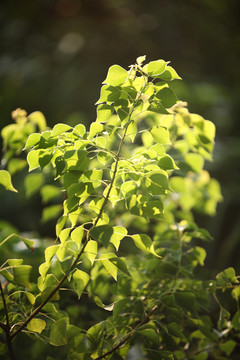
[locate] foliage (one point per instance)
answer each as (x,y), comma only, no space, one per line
(126,241)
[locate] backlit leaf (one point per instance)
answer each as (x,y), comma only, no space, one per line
(160,135)
(144,242)
(5,180)
(116,76)
(80,280)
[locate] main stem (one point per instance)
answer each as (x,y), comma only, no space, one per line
(38,309)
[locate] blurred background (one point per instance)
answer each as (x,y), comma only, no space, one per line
(54,54)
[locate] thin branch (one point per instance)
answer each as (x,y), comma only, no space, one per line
(6,327)
(129,335)
(53,292)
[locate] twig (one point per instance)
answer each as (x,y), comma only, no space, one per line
(6,327)
(129,335)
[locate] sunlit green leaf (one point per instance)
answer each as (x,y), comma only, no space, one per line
(155,68)
(104,112)
(80,280)
(169,74)
(195,161)
(91,250)
(116,76)
(38,118)
(5,180)
(160,135)
(60,129)
(32,140)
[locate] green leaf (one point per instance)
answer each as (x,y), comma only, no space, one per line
(195,161)
(38,118)
(22,275)
(144,242)
(32,183)
(91,250)
(169,74)
(60,129)
(5,180)
(58,333)
(155,68)
(80,129)
(116,76)
(167,163)
(94,335)
(201,356)
(80,280)
(49,192)
(36,325)
(157,182)
(60,224)
(32,140)
(33,159)
(50,252)
(109,266)
(157,107)
(236,293)
(120,264)
(186,300)
(109,93)
(226,277)
(77,234)
(167,97)
(15,165)
(51,212)
(95,128)
(104,112)
(150,334)
(108,234)
(132,130)
(141,59)
(228,346)
(160,135)
(236,320)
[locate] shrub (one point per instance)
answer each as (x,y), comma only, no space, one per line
(122,275)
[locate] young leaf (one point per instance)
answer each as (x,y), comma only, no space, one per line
(116,76)
(60,129)
(155,68)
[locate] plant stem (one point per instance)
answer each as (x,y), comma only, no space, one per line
(38,309)
(129,335)
(6,327)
